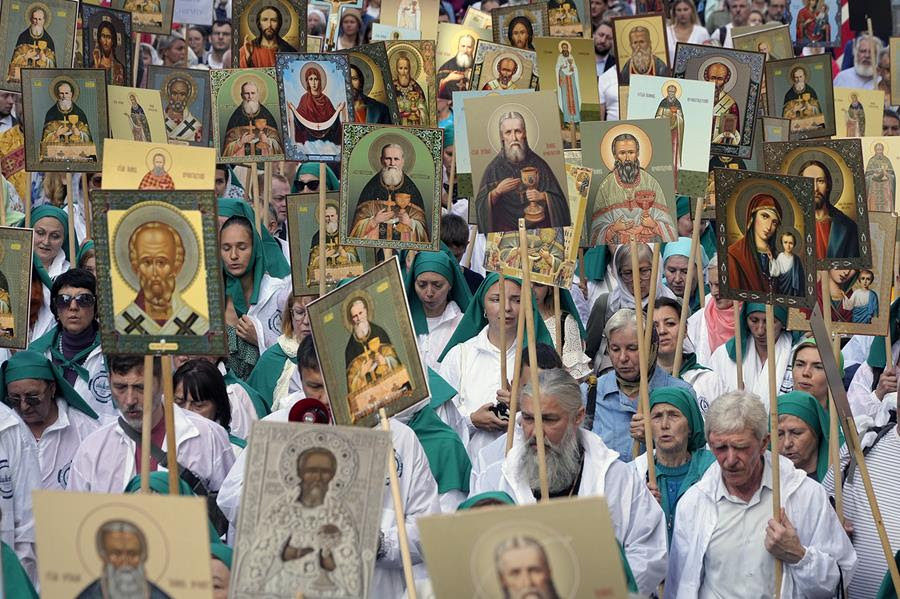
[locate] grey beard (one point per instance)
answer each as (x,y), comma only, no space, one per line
(124,582)
(563,462)
(864,70)
(391,176)
(37,31)
(331,228)
(65,105)
(641,60)
(176,105)
(515,152)
(361,330)
(463,60)
(627,170)
(799,88)
(159,172)
(250,106)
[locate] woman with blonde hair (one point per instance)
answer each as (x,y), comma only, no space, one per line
(684,26)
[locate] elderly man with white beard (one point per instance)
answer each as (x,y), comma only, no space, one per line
(642,61)
(380,213)
(862,74)
(242,135)
(725,540)
(454,74)
(122,547)
(579,464)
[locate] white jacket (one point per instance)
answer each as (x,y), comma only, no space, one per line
(20,474)
(696,332)
(266,312)
(60,441)
(417,489)
(829,553)
(45,320)
(105,461)
(638,521)
(755,372)
(95,391)
(432,343)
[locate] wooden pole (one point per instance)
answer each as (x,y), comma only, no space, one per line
(322,286)
(267,191)
(557,321)
(688,288)
(504,382)
(146,424)
(136,58)
(70,196)
(451,179)
(171,449)
(701,290)
(738,346)
(86,203)
(833,424)
(517,376)
(526,305)
(467,259)
(651,297)
(405,557)
(644,395)
(5,199)
(27,200)
(773,425)
(254,193)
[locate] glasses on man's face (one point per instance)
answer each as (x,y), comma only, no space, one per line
(16,400)
(310,185)
(82,300)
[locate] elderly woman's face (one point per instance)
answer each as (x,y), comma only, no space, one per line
(671,430)
(645,270)
(623,352)
(798,442)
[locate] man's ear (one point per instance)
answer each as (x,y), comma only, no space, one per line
(579,417)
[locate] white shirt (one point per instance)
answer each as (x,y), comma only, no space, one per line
(243,412)
(863,402)
(440,329)
(60,441)
(755,371)
(608,86)
(698,35)
(6,123)
(20,474)
(707,384)
(105,461)
(95,391)
(849,78)
(266,313)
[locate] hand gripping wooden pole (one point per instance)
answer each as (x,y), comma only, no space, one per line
(146,424)
(773,426)
(399,515)
(322,237)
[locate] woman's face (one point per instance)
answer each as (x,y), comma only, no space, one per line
(236,247)
(671,430)
(90,265)
(220,579)
(666,320)
(300,317)
(623,352)
(645,271)
(756,322)
(433,290)
(350,26)
(841,275)
(540,293)
(765,224)
(755,18)
(683,13)
(48,239)
(798,442)
(203,407)
(492,305)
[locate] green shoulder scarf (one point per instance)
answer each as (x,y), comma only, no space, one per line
(444,264)
(748,308)
(275,264)
(233,287)
(49,341)
(49,210)
(595,261)
(259,404)
(264,376)
(806,407)
(16,583)
(877,356)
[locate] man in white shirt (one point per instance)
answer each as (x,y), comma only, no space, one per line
(7,102)
(108,458)
(862,74)
(725,541)
(20,474)
(219,42)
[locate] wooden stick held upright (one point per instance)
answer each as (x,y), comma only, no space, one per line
(833,424)
(470,246)
(738,346)
(267,192)
(557,321)
(171,451)
(405,557)
(688,288)
(451,179)
(504,382)
(322,191)
(651,297)
(137,57)
(70,196)
(254,192)
(773,425)
(517,376)
(86,201)
(146,424)
(526,305)
(3,207)
(643,349)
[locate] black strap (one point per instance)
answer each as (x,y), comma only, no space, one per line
(595,325)
(880,432)
(591,408)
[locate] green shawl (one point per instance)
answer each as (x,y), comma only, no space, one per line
(312,168)
(708,241)
(877,357)
(444,264)
(59,214)
(257,266)
(29,364)
(275,263)
(49,341)
(748,308)
(441,390)
(806,407)
(595,261)
(689,363)
(474,320)
(86,246)
(885,591)
(259,404)
(16,583)
(222,552)
(268,369)
(567,306)
(159,483)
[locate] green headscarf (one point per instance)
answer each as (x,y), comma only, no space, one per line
(687,405)
(222,552)
(682,205)
(49,210)
(85,247)
(811,342)
(500,496)
(28,364)
(877,356)
(159,483)
(257,266)
(441,390)
(747,309)
(276,264)
(444,264)
(474,320)
(595,261)
(886,590)
(312,168)
(807,408)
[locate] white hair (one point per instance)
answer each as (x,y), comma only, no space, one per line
(737,411)
(558,383)
(622,318)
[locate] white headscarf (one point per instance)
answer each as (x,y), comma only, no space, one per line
(622,296)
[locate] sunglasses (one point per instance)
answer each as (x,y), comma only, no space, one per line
(82,300)
(310,185)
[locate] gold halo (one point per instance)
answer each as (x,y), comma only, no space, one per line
(48,16)
(415,67)
(59,79)
(385,137)
(875,143)
(669,83)
(329,203)
(322,75)
(148,159)
(495,66)
(560,45)
(356,295)
(246,77)
(645,151)
(654,36)
(532,130)
(367,67)
(192,86)
(732,81)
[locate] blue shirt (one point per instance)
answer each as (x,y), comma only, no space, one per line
(612,420)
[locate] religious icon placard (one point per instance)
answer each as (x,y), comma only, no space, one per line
(498,67)
(148,166)
(148,16)
(842,216)
(882,159)
(80,538)
(314,90)
(816,23)
(372,97)
(391,187)
(136,114)
(860,298)
(186,103)
(412,70)
(571,72)
(738,77)
(383,33)
(518,170)
(569,18)
(476,18)
(106,42)
(688,108)
(141,311)
(310,511)
(552,251)
(772,39)
(635,197)
(416,15)
(765,210)
(568,545)
(246,116)
(341,261)
(858,112)
(15,286)
(314,43)
(35,35)
(379,365)
(264,28)
(801,89)
(640,46)
(517,26)
(65,119)
(455,57)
